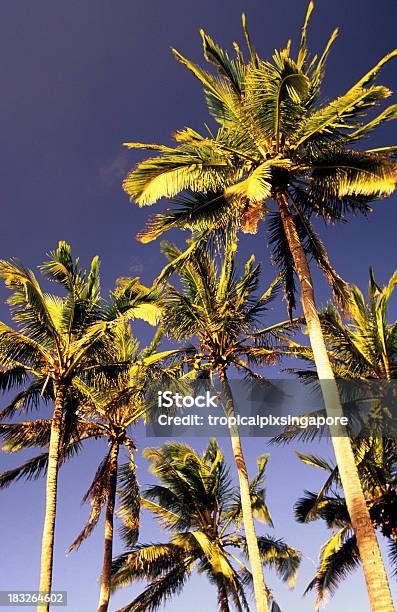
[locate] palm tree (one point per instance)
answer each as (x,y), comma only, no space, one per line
(362,347)
(376,462)
(276,143)
(219,313)
(109,413)
(58,340)
(110,426)
(113,412)
(198,505)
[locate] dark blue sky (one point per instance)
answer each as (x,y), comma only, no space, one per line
(78,79)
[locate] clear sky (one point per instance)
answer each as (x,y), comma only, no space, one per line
(78,79)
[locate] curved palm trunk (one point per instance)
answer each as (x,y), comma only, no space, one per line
(374,570)
(104,595)
(47,542)
(260,590)
(222,599)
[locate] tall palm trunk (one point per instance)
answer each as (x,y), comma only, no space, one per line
(374,570)
(222,599)
(248,519)
(104,595)
(47,542)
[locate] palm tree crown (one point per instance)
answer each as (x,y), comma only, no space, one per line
(276,140)
(221,309)
(197,504)
(59,340)
(339,556)
(362,343)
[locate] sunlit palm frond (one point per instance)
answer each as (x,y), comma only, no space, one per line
(17,436)
(194,502)
(338,559)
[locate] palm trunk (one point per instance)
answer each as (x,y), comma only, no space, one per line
(248,519)
(222,599)
(374,570)
(47,542)
(104,595)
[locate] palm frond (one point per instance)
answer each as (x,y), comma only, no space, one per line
(188,167)
(13,376)
(160,590)
(145,561)
(226,66)
(282,258)
(31,470)
(344,173)
(28,304)
(130,502)
(278,555)
(28,398)
(96,495)
(338,560)
(221,96)
(30,434)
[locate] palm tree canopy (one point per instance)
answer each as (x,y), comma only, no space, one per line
(99,410)
(113,411)
(222,309)
(362,346)
(363,343)
(339,556)
(275,135)
(198,505)
(59,337)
